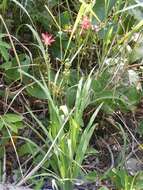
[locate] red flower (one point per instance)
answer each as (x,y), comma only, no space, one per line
(86,24)
(47,38)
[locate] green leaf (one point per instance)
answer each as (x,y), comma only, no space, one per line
(70,97)
(26,148)
(12,121)
(91,176)
(111,100)
(74,133)
(4,44)
(12,118)
(1,158)
(15,126)
(4,53)
(101,82)
(139,181)
(92,151)
(83,144)
(1,124)
(133,95)
(39,184)
(65,19)
(137,53)
(36,91)
(7,65)
(13,73)
(103,8)
(120,178)
(103,188)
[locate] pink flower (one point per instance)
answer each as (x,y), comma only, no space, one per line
(47,38)
(86,24)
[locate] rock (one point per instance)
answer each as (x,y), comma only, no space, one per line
(133,166)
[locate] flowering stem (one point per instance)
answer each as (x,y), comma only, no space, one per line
(47,60)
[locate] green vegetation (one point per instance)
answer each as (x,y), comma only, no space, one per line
(71,93)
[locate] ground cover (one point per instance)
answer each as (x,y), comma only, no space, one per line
(71,94)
